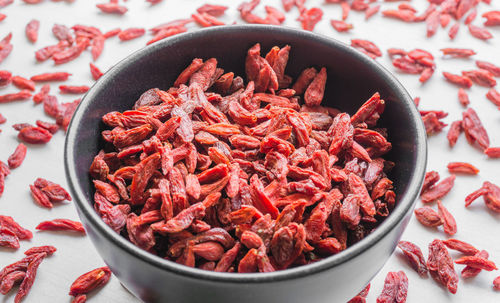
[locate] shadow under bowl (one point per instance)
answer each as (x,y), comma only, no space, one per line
(352,79)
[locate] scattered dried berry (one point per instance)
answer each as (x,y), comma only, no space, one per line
(395,288)
(414,255)
(90,281)
(462,168)
(428,217)
(441,266)
(461,246)
(438,190)
(61,224)
(17,158)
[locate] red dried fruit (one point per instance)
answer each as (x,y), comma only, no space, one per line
(428,217)
(40,197)
(5,47)
(60,56)
(479,32)
(463,98)
(452,33)
(492,152)
(469,272)
(403,15)
(438,190)
(432,123)
(310,17)
(29,278)
(474,131)
(492,68)
(458,52)
(458,80)
(367,46)
(395,288)
(32,30)
(7,222)
(56,76)
(371,11)
(481,77)
(491,194)
(454,132)
(34,135)
(131,33)
(62,33)
(67,89)
(61,224)
(477,262)
(90,281)
(414,256)
(432,22)
(51,127)
(95,71)
(48,249)
(461,246)
(449,223)
(462,168)
(112,8)
(23,83)
(214,10)
(340,26)
(494,96)
(18,156)
(5,77)
(441,266)
(492,18)
(42,94)
(10,279)
(8,238)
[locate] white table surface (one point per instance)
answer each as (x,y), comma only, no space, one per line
(76,255)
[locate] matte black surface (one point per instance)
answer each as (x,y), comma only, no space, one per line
(352,79)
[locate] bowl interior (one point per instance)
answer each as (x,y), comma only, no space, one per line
(352,79)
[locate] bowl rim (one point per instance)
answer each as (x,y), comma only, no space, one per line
(405,205)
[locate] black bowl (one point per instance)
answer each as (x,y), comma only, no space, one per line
(352,79)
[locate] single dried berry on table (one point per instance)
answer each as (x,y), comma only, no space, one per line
(414,255)
(61,225)
(90,281)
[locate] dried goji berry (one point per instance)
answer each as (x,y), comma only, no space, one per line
(67,89)
(395,288)
(56,76)
(414,256)
(479,32)
(61,224)
(131,33)
(90,281)
(477,262)
(428,217)
(438,190)
(112,8)
(441,266)
(462,168)
(461,246)
(17,157)
(23,83)
(29,278)
(32,30)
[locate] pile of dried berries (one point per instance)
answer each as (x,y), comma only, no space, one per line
(222,176)
(231,158)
